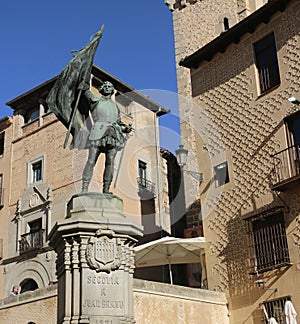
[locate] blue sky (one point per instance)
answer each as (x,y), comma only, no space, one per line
(137,46)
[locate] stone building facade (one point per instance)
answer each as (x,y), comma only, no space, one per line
(5,158)
(238,83)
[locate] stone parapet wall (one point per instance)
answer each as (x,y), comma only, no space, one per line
(153,303)
(38,306)
(162,303)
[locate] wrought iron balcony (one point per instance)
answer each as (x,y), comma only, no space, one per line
(31,241)
(286,167)
(146,188)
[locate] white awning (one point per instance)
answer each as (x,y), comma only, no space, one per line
(170,250)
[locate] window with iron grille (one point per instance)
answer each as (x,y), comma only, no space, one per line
(268,242)
(274,308)
(267,63)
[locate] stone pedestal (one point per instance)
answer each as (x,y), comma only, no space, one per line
(95,261)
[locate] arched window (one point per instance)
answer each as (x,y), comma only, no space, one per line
(28,285)
(226,23)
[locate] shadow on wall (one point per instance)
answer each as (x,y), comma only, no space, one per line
(239,255)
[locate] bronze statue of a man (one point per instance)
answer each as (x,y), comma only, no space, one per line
(106,135)
(71,100)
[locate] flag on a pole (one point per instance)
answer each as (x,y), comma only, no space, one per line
(64,98)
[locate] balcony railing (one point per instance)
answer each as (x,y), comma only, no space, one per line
(146,187)
(286,166)
(31,241)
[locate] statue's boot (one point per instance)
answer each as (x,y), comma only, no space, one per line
(108,171)
(106,186)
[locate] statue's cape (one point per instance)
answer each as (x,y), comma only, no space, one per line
(70,83)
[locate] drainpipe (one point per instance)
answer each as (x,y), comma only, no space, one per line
(157,155)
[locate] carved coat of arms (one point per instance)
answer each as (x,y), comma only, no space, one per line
(103,252)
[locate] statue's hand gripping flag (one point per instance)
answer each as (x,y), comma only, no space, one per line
(65,99)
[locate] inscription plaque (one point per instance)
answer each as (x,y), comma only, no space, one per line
(104,293)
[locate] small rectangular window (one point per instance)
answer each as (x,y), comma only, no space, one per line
(2,143)
(221,174)
(267,63)
(226,23)
(36,170)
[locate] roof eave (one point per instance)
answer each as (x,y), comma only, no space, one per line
(234,34)
(125,88)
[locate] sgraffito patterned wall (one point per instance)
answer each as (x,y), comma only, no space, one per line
(246,131)
(194,26)
(250,128)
